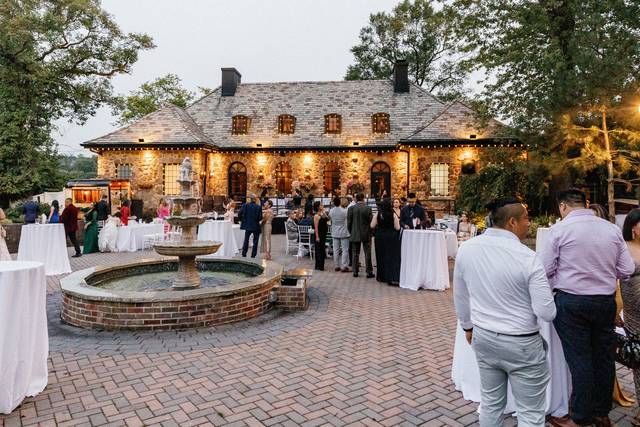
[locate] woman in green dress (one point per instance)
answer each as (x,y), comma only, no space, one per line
(91,231)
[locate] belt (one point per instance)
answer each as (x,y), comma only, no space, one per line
(532,334)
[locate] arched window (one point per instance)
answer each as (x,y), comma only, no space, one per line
(331,178)
(333,123)
(283,178)
(237,181)
(380,179)
(380,123)
(240,125)
(286,124)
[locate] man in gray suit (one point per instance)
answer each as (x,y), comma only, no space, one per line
(359,224)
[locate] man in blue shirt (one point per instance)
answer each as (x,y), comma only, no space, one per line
(30,211)
(250,217)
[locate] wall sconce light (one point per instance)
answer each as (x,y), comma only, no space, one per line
(307,175)
(356,143)
(140,139)
(354,160)
(473,136)
(260,175)
(258,145)
(468,167)
(355,174)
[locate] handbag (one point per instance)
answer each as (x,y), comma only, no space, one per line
(628,350)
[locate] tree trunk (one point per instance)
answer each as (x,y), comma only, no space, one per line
(610,194)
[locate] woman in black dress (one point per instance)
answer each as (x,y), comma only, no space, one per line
(320,229)
(387,241)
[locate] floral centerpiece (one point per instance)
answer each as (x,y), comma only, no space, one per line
(307,187)
(266,184)
(354,187)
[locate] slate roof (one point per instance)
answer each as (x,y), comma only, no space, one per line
(415,115)
(168,125)
(454,122)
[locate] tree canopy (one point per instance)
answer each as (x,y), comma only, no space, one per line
(152,95)
(57,58)
(417,32)
(545,58)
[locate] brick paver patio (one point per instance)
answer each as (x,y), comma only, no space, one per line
(363,354)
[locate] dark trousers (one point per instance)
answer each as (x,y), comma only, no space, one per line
(245,245)
(72,238)
(585,325)
(321,253)
(355,253)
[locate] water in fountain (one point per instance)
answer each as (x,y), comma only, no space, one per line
(186,215)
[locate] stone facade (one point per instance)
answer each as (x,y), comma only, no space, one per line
(307,167)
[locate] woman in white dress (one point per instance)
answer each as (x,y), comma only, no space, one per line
(4,251)
(230,213)
(109,234)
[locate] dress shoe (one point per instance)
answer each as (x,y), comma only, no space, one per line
(602,422)
(337,268)
(76,256)
(355,274)
(370,275)
(346,270)
(565,421)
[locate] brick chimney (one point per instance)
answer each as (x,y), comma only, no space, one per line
(230,81)
(401,76)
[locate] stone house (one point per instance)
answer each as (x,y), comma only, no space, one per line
(320,137)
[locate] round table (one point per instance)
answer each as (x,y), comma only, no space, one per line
(45,243)
(424,260)
(130,237)
(24,341)
(452,243)
(219,231)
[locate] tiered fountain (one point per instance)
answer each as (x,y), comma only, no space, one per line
(168,293)
(187,217)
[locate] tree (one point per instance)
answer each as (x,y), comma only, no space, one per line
(556,65)
(414,31)
(152,95)
(57,58)
(505,173)
(78,167)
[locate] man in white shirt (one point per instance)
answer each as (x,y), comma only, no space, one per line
(500,291)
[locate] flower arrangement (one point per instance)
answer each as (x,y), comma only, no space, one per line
(266,184)
(354,187)
(307,186)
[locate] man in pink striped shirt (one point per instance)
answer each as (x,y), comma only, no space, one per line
(583,258)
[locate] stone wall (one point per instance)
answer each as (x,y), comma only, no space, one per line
(306,167)
(147,170)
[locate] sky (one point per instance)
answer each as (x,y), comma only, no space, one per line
(266,40)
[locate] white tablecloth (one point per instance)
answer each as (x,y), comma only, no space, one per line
(130,236)
(220,231)
(45,243)
(452,243)
(424,260)
(239,235)
(24,341)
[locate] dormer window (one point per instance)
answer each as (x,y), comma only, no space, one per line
(380,123)
(333,123)
(286,124)
(240,125)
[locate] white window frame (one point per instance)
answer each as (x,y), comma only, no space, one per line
(439,179)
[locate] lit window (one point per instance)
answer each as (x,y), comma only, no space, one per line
(123,171)
(331,178)
(439,179)
(286,124)
(240,125)
(170,178)
(380,123)
(333,123)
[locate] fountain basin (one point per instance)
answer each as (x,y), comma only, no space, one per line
(89,303)
(193,248)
